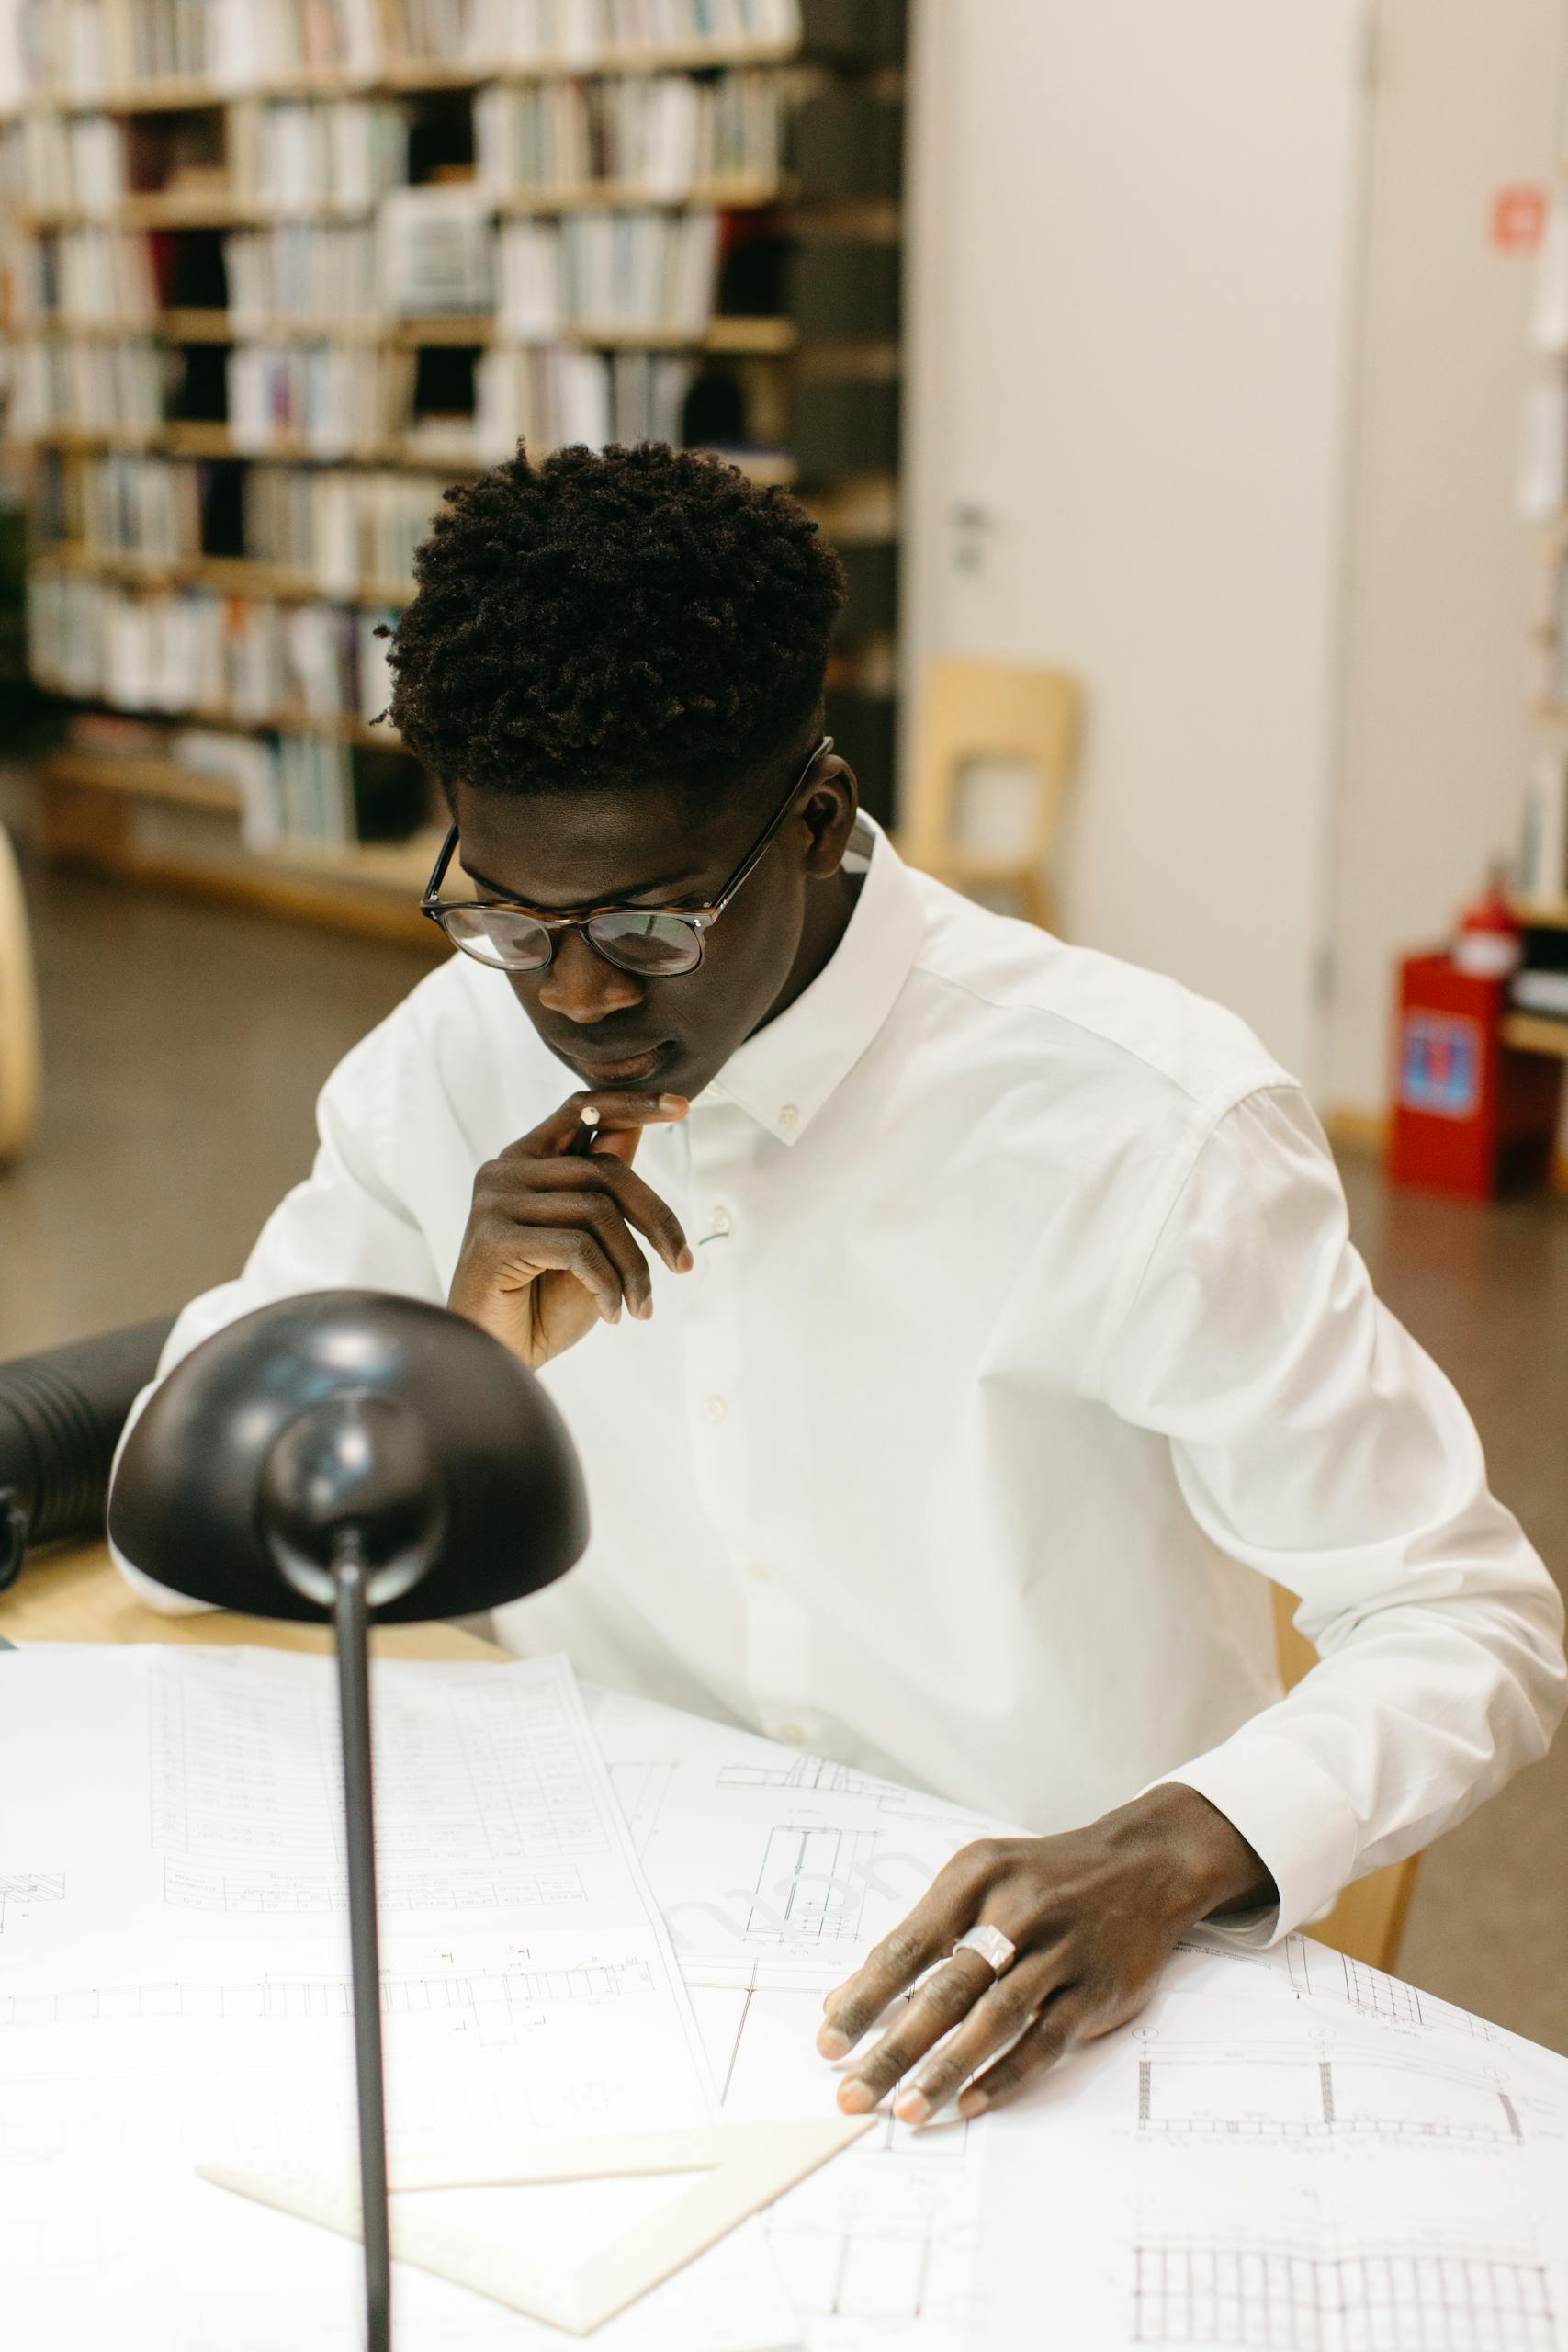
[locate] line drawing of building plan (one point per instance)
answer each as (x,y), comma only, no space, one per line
(1292,2150)
(776,1872)
(529,1987)
(602,1913)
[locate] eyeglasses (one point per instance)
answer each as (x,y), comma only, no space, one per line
(658,942)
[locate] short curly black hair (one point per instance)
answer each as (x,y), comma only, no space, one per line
(608,618)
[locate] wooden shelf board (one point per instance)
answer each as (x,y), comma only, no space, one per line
(400,866)
(760,337)
(146,779)
(228,575)
(587,196)
(337,726)
(213,441)
(330,897)
(210,209)
(764,466)
(1532,1033)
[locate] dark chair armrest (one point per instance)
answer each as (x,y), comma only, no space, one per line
(61,1416)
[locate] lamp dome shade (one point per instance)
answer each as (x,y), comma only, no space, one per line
(350,1410)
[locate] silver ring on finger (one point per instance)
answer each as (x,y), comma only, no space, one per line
(998,1951)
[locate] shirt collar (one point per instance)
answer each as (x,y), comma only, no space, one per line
(782,1076)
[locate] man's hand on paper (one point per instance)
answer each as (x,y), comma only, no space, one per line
(549,1250)
(1094,1914)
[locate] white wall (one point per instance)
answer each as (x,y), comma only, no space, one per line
(1445,578)
(1135,228)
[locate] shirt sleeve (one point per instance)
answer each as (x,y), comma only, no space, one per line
(1316,1441)
(344,1228)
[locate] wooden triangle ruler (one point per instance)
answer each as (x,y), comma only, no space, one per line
(744,2167)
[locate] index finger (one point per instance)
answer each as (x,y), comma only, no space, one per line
(938,1920)
(617,1113)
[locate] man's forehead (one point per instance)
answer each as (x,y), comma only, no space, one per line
(570,851)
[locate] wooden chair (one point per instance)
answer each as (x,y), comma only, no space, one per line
(984,710)
(18,1013)
(1368,1921)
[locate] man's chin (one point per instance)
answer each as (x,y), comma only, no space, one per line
(668,1070)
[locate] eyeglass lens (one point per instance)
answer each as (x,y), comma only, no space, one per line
(653,944)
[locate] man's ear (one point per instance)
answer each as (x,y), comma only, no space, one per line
(831,814)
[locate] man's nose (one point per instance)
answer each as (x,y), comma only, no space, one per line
(582,986)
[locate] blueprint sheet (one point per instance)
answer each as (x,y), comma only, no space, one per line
(174,1988)
(1292,2150)
(776,1872)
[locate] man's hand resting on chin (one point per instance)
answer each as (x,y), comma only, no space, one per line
(549,1250)
(1094,1914)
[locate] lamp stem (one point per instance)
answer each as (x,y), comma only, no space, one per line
(351,1619)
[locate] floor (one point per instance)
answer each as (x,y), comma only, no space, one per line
(184,1048)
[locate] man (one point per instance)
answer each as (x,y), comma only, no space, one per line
(957,1328)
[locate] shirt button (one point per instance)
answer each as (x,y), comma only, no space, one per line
(715,1409)
(793,1733)
(789,1113)
(758,1573)
(720,1220)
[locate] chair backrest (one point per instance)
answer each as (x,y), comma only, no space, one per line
(1368,1921)
(970,710)
(18,1013)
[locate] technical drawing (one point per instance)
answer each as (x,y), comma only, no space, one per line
(1317,1970)
(1300,2095)
(1288,2298)
(483,2002)
(245,1770)
(811,1885)
(887,2236)
(641,1790)
(197,1887)
(19,1887)
(805,1774)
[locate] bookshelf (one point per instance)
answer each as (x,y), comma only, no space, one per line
(279,276)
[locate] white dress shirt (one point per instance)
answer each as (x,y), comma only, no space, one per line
(1025,1343)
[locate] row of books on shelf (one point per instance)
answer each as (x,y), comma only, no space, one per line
(81,48)
(288,788)
(1552,675)
(663,134)
(339,399)
(246,658)
(1539,986)
(531,278)
(519,31)
(337,530)
(102,386)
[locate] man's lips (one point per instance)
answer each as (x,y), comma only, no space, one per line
(629,1070)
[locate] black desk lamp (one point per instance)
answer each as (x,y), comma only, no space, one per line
(351,1455)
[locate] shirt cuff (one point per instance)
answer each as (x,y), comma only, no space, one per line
(1293,1814)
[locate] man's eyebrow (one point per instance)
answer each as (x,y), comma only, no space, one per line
(621,898)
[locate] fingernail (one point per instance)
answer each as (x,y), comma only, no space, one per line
(832,2043)
(856,2097)
(685,1261)
(973,2103)
(643,1309)
(672,1101)
(912,2106)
